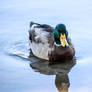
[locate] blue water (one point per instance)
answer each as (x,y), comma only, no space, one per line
(18,74)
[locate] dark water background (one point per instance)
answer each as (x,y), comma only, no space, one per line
(16,73)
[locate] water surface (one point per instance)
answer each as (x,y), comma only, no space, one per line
(20,74)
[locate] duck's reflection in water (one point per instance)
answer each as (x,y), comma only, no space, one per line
(61,71)
(62,82)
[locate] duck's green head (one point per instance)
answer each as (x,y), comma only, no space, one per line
(60,35)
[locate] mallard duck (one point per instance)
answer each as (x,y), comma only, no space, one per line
(49,43)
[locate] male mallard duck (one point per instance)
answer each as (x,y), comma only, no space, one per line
(50,43)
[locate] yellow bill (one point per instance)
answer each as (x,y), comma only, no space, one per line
(63,40)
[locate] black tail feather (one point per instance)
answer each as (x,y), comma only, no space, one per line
(32,23)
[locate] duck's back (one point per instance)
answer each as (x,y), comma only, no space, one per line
(41,39)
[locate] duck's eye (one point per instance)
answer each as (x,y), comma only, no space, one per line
(59,31)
